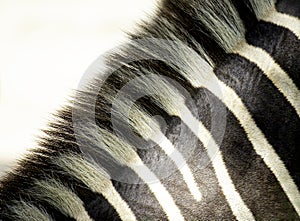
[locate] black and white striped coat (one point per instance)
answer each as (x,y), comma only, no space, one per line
(224,76)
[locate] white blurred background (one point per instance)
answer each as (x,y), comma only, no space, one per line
(45,47)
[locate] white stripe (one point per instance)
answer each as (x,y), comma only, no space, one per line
(260,143)
(122,208)
(201,74)
(150,130)
(26,211)
(237,205)
(161,194)
(262,8)
(98,181)
(273,71)
(287,21)
(180,162)
(254,134)
(126,155)
(62,198)
(172,101)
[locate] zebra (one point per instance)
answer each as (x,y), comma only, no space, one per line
(195,117)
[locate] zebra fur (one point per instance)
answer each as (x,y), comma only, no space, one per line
(251,50)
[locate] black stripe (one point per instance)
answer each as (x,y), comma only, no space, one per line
(99,209)
(271,111)
(141,201)
(202,169)
(291,7)
(214,205)
(246,13)
(281,44)
(253,180)
(53,212)
(181,14)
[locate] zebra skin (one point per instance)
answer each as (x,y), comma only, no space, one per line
(196,117)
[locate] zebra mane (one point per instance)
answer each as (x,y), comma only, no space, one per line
(81,152)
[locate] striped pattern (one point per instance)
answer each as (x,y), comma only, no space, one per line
(231,103)
(289,22)
(97,180)
(274,72)
(24,210)
(66,201)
